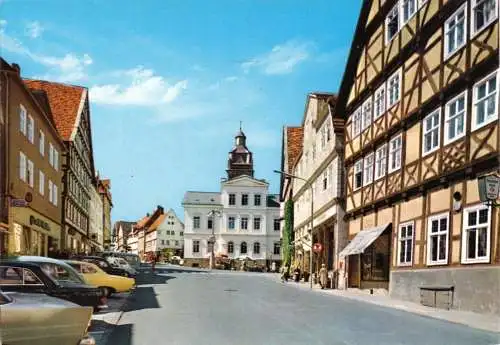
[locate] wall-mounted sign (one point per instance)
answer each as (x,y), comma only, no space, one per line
(18,203)
(40,223)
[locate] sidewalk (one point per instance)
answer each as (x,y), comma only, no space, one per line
(104,322)
(480,321)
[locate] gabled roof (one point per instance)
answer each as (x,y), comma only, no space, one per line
(201,198)
(161,218)
(272,200)
(294,138)
(141,222)
(65,102)
(126,227)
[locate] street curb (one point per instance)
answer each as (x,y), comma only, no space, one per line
(110,328)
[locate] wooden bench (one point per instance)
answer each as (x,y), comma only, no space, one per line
(433,291)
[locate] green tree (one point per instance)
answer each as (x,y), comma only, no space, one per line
(167,253)
(287,234)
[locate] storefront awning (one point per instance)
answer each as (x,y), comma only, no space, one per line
(362,240)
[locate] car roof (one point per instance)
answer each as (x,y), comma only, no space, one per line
(28,258)
(81,262)
(93,257)
(18,263)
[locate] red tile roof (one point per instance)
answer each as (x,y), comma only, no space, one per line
(157,222)
(294,137)
(140,223)
(64,102)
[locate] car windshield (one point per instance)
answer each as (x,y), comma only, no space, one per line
(62,274)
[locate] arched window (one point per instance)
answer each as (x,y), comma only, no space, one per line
(256,248)
(230,247)
(243,248)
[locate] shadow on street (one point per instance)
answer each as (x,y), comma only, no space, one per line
(144,297)
(121,335)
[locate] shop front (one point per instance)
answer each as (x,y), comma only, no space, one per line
(367,259)
(31,233)
(4,235)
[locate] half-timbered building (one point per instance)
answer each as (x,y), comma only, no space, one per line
(420,95)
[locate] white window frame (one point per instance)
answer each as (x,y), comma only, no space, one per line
(379,108)
(367,181)
(465,227)
(229,222)
(406,239)
(425,132)
(22,166)
(395,76)
(447,52)
(23,119)
(51,191)
(394,10)
(196,222)
(30,171)
(31,129)
(229,199)
(55,197)
(430,219)
(393,152)
(380,162)
(56,159)
(366,114)
(356,123)
(51,154)
(415,10)
(447,118)
(41,182)
(41,143)
(255,223)
(474,4)
(493,95)
(198,245)
(358,168)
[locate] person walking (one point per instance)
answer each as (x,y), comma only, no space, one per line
(284,273)
(323,276)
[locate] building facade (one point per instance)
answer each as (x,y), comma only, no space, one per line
(33,173)
(170,233)
(104,189)
(71,113)
(122,230)
(96,214)
(243,217)
(420,95)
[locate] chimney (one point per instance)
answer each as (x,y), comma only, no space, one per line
(17,68)
(147,214)
(160,208)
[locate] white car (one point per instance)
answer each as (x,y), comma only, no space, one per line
(121,263)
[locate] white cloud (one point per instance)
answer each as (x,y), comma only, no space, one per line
(34,29)
(3,22)
(282,59)
(142,87)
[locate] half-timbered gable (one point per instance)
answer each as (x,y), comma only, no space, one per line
(420,96)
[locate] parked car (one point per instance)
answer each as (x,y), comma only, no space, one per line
(132,259)
(49,276)
(104,265)
(108,283)
(121,263)
(43,320)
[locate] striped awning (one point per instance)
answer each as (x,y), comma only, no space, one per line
(363,240)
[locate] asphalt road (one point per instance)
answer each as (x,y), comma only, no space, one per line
(188,306)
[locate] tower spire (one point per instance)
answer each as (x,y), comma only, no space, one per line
(240,125)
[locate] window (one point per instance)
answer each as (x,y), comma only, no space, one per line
(379,102)
(22,166)
(485,101)
(409,8)
(437,240)
(455,32)
(196,246)
(356,123)
(196,222)
(256,223)
(55,195)
(476,235)
(88,269)
(244,223)
(323,137)
(22,119)
(41,143)
(176,243)
(405,244)
(276,248)
(455,116)
(431,131)
(325,179)
(277,224)
(256,199)
(51,154)
(41,182)
(368,170)
(210,223)
(172,233)
(328,135)
(244,199)
(56,160)
(392,24)
(394,89)
(168,242)
(181,233)
(30,278)
(395,147)
(230,247)
(366,117)
(163,242)
(30,173)
(31,129)
(380,162)
(232,199)
(484,12)
(256,248)
(243,248)
(358,174)
(231,223)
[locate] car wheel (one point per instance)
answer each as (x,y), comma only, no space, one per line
(106,292)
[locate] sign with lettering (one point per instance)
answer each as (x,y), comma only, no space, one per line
(40,223)
(489,187)
(18,203)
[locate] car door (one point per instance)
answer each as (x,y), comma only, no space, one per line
(92,276)
(20,279)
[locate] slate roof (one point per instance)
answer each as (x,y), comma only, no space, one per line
(64,102)
(272,200)
(126,226)
(201,198)
(161,218)
(295,136)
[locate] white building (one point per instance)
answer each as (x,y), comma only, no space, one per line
(247,223)
(96,219)
(170,233)
(132,243)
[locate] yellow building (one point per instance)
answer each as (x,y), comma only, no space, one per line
(420,95)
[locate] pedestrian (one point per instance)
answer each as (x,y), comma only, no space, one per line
(323,276)
(284,273)
(273,267)
(153,262)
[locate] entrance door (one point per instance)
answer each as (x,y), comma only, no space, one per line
(353,272)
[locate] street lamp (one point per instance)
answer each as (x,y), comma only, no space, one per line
(312,216)
(212,238)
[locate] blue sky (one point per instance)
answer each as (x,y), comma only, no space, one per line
(171,79)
